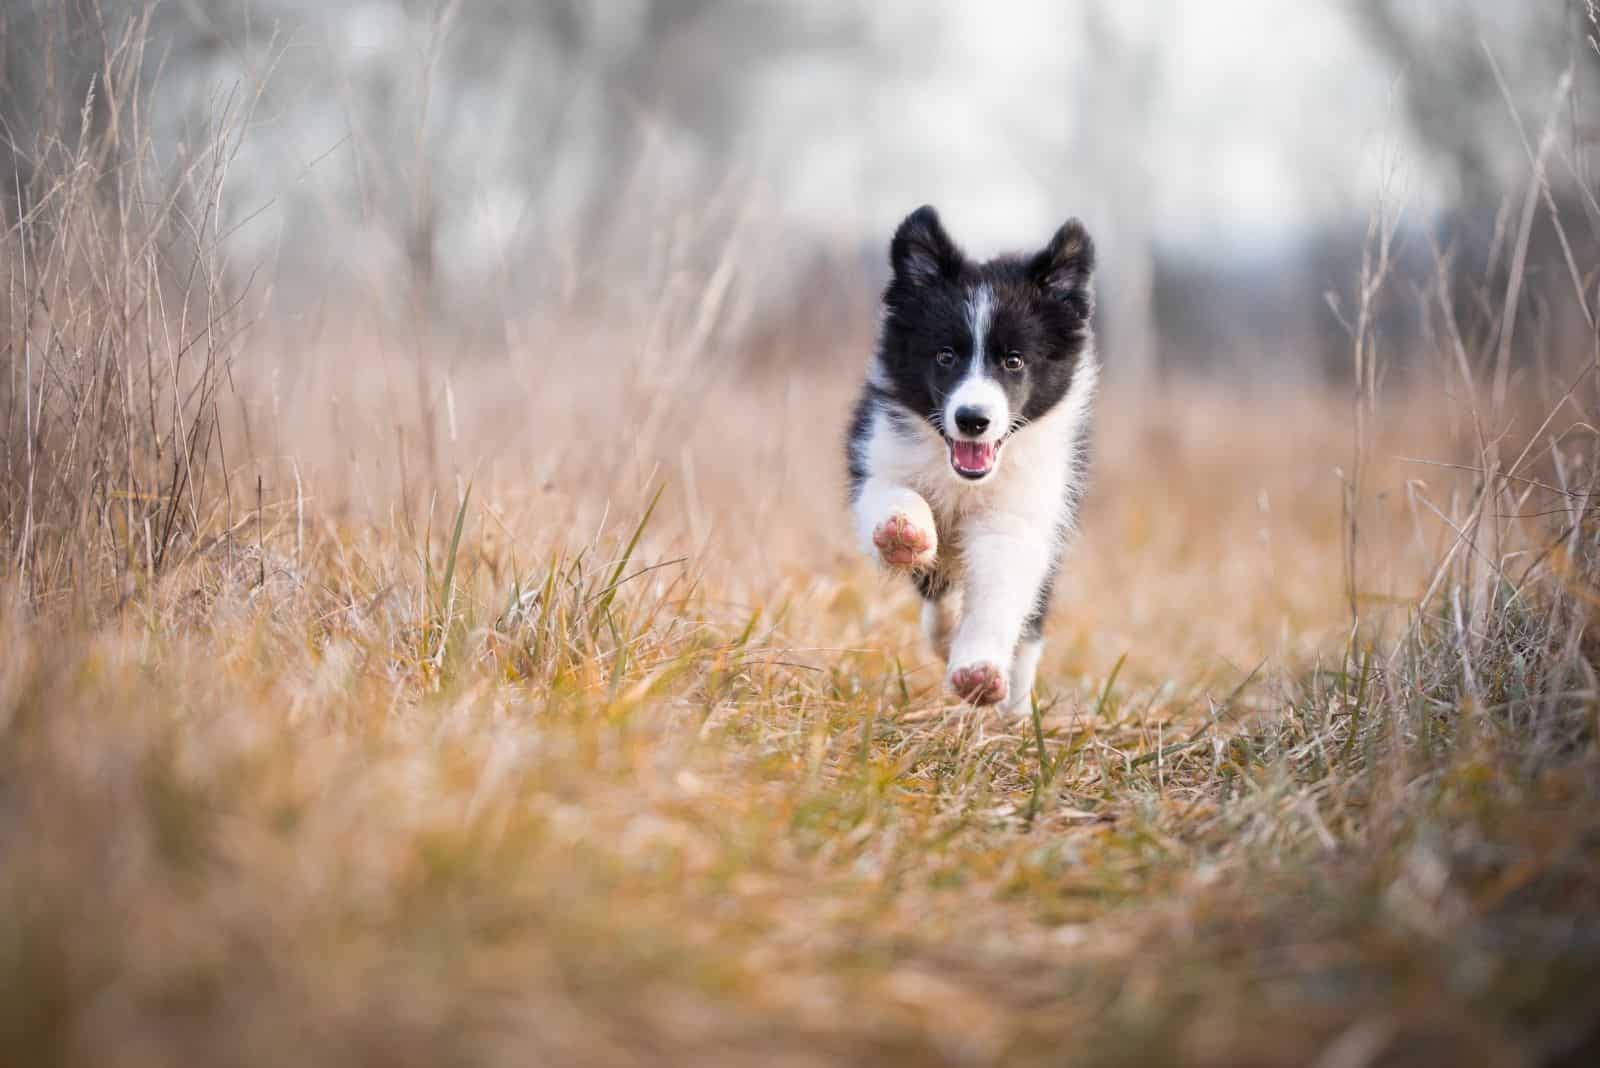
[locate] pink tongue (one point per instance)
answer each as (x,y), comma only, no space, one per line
(972,455)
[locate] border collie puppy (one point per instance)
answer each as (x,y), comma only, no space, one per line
(966,449)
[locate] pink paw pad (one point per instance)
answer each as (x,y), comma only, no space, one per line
(901,543)
(979,684)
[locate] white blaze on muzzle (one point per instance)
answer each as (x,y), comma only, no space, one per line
(976,413)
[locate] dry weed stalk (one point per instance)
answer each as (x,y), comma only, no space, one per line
(119,329)
(520,787)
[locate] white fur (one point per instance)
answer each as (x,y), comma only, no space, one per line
(1009,525)
(977,389)
(1023,671)
(880,501)
(939,622)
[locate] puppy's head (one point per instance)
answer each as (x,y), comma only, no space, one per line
(981,349)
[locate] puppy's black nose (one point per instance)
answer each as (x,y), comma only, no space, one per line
(972,421)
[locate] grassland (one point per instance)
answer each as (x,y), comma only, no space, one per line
(370,699)
(619,755)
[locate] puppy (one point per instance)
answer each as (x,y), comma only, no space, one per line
(966,450)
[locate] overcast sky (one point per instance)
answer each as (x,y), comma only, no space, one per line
(1257,123)
(1188,126)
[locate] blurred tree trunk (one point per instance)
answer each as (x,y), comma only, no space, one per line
(1117,96)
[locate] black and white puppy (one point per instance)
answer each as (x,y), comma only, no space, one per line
(966,450)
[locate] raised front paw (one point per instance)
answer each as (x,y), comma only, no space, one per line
(979,683)
(903,544)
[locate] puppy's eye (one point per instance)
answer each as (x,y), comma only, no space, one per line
(946,357)
(1012,362)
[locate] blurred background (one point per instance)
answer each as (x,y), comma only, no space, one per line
(484,162)
(431,630)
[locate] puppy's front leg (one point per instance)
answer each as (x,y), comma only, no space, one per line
(1006,561)
(894,524)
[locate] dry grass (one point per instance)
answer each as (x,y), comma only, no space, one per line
(546,798)
(536,710)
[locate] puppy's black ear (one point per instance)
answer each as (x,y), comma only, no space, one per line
(1064,270)
(921,251)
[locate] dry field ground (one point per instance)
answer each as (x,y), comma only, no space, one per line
(375,699)
(500,764)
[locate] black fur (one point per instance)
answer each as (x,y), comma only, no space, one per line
(860,424)
(1040,311)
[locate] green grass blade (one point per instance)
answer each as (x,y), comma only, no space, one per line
(447,587)
(627,553)
(1111,680)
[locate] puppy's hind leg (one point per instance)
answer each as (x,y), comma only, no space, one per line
(940,609)
(1025,665)
(1023,671)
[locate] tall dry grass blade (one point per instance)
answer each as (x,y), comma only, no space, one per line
(1519,256)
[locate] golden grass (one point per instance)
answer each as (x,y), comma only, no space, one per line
(369,698)
(329,792)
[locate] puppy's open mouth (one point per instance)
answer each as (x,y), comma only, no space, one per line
(974,459)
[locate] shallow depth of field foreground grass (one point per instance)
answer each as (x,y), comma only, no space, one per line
(617,754)
(373,697)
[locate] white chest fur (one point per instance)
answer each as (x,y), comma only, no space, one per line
(1038,472)
(1008,529)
